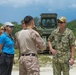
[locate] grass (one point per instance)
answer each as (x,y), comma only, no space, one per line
(44,59)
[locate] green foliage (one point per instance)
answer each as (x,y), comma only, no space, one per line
(1,24)
(16,29)
(72,26)
(36,20)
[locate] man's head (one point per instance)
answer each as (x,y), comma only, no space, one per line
(23,24)
(62,21)
(29,21)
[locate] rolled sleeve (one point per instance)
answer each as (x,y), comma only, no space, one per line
(72,39)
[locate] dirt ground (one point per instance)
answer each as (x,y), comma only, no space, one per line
(48,70)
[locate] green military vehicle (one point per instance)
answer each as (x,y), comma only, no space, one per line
(47,24)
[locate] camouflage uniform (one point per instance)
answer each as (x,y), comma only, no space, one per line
(62,43)
(28,41)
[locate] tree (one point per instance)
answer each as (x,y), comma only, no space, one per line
(36,20)
(1,24)
(15,23)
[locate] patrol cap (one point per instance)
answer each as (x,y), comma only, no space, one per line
(62,19)
(8,24)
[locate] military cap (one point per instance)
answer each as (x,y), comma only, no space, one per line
(62,19)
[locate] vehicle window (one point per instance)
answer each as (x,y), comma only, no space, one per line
(48,22)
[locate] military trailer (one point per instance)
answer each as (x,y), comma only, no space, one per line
(48,23)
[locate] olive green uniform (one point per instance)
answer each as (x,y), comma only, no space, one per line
(62,43)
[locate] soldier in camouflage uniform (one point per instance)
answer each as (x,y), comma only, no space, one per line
(63,53)
(28,41)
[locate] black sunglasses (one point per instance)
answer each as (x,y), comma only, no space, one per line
(11,26)
(61,22)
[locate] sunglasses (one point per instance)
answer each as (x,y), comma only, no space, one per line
(61,22)
(11,26)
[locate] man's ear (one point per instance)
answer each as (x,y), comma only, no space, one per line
(32,22)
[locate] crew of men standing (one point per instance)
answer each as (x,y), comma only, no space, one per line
(28,41)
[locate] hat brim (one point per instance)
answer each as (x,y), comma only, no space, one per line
(59,20)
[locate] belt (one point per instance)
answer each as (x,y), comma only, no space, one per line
(30,54)
(8,54)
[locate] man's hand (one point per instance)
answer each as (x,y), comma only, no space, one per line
(71,61)
(53,51)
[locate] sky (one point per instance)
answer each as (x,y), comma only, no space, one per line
(16,10)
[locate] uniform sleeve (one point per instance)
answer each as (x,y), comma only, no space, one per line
(51,37)
(72,38)
(38,40)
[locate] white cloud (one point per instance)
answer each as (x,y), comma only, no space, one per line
(72,6)
(19,3)
(54,4)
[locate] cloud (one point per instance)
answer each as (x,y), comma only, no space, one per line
(72,6)
(54,4)
(20,3)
